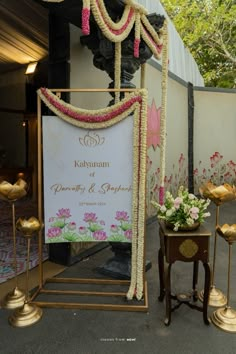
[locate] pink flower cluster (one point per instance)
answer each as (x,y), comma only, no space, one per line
(54,232)
(194,211)
(158,47)
(85,21)
(136,47)
(90,217)
(63,213)
(177,202)
(122,216)
(100,235)
(215,158)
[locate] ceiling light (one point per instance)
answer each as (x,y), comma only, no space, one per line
(31,68)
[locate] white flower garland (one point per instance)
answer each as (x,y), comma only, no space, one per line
(163,110)
(112,24)
(133,281)
(142,203)
(117,70)
(103,19)
(138,17)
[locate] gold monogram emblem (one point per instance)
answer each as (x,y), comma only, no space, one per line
(91,139)
(188,248)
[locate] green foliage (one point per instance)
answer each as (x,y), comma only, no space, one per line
(117,238)
(208,29)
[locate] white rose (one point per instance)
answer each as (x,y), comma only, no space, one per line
(163,209)
(169,212)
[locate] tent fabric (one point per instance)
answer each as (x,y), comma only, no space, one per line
(181,62)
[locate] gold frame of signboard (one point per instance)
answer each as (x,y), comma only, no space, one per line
(135,289)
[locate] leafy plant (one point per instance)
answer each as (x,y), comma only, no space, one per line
(208,29)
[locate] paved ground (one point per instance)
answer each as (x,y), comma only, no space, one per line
(64,331)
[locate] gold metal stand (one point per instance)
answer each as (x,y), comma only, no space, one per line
(225,318)
(16,297)
(216,297)
(29,313)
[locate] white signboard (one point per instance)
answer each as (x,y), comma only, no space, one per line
(88,178)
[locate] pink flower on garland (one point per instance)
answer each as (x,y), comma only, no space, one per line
(136,47)
(85,21)
(87,117)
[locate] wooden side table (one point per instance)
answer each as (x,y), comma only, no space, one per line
(185,246)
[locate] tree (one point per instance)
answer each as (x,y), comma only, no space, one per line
(208,29)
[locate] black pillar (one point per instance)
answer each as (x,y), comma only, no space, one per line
(190,138)
(59,54)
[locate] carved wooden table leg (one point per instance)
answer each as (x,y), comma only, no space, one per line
(168,295)
(161,274)
(195,280)
(206,291)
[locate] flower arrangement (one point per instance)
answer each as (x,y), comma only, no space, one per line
(184,210)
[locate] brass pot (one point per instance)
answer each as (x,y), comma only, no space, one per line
(185,227)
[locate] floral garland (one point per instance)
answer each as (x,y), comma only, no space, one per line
(143,75)
(90,119)
(117,70)
(163,113)
(136,103)
(119,31)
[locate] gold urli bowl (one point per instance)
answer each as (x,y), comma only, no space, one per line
(13,192)
(28,226)
(228,232)
(218,194)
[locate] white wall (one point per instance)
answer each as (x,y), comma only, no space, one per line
(214,132)
(85,75)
